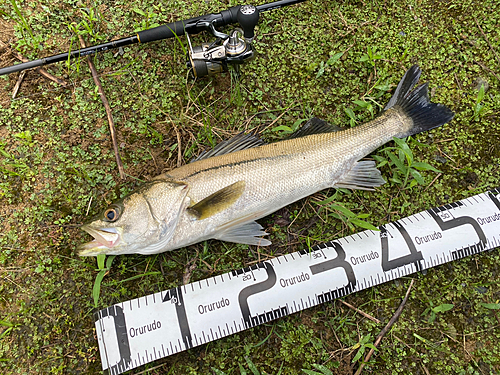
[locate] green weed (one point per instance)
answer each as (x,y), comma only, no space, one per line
(236,90)
(88,26)
(322,369)
(26,138)
(330,62)
(368,102)
(405,170)
(371,56)
(28,37)
(10,166)
(353,121)
(10,327)
(96,290)
(344,214)
(149,21)
(361,347)
(284,130)
(365,105)
(491,306)
(89,23)
(433,311)
(479,108)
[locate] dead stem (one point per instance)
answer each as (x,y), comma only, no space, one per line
(487,69)
(18,84)
(487,41)
(108,111)
(42,71)
(386,329)
(432,182)
(368,316)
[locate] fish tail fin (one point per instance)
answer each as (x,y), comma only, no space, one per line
(415,103)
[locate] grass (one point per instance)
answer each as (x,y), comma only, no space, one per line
(335,60)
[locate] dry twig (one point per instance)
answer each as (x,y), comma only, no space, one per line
(386,329)
(487,41)
(188,271)
(368,316)
(179,144)
(42,71)
(108,111)
(432,182)
(487,69)
(18,84)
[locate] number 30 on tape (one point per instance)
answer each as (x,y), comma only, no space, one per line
(146,329)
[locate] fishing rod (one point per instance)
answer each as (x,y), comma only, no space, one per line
(210,58)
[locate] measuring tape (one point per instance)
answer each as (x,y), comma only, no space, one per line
(145,329)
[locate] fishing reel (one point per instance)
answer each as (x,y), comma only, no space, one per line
(233,49)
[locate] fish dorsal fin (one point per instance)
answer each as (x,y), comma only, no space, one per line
(238,142)
(243,230)
(363,176)
(314,126)
(243,141)
(218,201)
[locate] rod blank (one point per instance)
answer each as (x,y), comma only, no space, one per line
(191,26)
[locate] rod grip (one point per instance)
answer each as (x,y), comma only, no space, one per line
(162,32)
(192,25)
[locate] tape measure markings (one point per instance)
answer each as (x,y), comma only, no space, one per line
(134,333)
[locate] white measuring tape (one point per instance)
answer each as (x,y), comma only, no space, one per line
(145,329)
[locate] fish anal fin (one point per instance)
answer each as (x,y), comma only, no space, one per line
(248,233)
(244,230)
(218,201)
(363,176)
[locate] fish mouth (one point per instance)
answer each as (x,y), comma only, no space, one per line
(103,243)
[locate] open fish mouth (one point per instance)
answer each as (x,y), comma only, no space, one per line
(104,241)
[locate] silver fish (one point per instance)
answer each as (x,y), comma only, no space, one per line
(221,194)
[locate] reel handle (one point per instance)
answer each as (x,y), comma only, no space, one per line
(248,17)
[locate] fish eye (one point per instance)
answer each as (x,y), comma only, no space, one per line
(112,214)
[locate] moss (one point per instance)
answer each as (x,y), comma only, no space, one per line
(47,185)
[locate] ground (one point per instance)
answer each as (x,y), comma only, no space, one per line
(317,58)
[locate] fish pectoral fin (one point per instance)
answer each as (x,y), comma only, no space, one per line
(363,176)
(244,230)
(218,201)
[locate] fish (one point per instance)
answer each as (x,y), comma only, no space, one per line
(222,193)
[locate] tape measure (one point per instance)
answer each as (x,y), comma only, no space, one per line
(145,329)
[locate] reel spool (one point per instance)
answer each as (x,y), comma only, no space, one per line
(233,49)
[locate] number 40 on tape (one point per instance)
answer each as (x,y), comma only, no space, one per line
(142,330)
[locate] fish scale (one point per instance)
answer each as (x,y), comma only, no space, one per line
(221,195)
(280,173)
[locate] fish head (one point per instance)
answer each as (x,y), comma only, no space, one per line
(142,222)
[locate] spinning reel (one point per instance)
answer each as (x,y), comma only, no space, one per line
(233,49)
(207,59)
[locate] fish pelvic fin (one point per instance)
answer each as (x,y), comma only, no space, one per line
(218,201)
(243,230)
(415,103)
(363,176)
